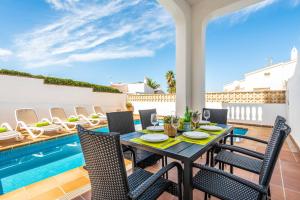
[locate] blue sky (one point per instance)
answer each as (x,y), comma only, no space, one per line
(123,41)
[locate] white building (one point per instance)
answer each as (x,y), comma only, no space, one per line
(134,88)
(273,77)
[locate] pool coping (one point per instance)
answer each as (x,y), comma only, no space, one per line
(38,140)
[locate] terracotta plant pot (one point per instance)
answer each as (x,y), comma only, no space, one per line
(130,108)
(169,130)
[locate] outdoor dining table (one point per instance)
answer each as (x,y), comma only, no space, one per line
(183,151)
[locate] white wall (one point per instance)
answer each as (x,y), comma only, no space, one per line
(294,103)
(276,80)
(134,88)
(259,114)
(21,92)
(162,108)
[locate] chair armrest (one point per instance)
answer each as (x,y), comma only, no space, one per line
(152,179)
(245,182)
(242,150)
(245,137)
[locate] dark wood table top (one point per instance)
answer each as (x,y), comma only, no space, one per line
(181,151)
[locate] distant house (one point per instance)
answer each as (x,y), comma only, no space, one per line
(136,88)
(273,77)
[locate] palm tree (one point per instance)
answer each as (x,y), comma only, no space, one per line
(151,83)
(171,82)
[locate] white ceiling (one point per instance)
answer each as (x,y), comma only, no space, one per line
(192,2)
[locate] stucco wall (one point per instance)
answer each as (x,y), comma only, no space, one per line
(294,103)
(21,92)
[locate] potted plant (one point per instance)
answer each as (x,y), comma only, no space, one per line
(187,126)
(168,128)
(129,106)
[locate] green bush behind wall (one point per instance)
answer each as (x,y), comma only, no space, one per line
(61,81)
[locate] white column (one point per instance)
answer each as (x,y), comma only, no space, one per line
(191,18)
(181,12)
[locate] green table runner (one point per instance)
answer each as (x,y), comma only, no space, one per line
(211,132)
(160,145)
(147,131)
(201,142)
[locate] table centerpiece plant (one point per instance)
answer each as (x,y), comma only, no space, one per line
(129,106)
(168,128)
(187,119)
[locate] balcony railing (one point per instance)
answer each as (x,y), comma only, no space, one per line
(224,97)
(247,97)
(259,107)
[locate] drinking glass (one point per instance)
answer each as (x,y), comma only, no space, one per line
(195,118)
(175,122)
(206,114)
(154,119)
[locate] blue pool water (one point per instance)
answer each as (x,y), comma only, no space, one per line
(32,163)
(239,131)
(26,165)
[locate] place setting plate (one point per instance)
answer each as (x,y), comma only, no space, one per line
(204,122)
(155,128)
(195,135)
(155,137)
(211,128)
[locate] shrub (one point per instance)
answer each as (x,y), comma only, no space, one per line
(61,81)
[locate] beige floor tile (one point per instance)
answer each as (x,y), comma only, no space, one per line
(73,185)
(16,195)
(49,195)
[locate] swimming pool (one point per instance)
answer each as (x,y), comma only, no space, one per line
(32,163)
(239,131)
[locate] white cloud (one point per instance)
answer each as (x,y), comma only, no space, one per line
(295,2)
(63,4)
(92,30)
(242,15)
(5,53)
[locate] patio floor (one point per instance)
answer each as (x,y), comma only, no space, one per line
(74,184)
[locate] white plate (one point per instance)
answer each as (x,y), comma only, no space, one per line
(211,128)
(155,128)
(156,137)
(204,122)
(195,135)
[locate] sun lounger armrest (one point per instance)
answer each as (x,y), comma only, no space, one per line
(56,119)
(46,120)
(6,125)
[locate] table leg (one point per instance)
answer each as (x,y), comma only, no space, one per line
(187,181)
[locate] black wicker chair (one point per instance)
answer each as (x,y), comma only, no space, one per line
(106,168)
(218,116)
(122,122)
(224,185)
(245,159)
(145,116)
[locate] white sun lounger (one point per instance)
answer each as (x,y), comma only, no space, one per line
(27,118)
(98,111)
(58,116)
(82,113)
(10,133)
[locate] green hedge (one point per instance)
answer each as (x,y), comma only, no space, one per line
(61,81)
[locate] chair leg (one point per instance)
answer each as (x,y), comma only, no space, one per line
(269,192)
(205,196)
(166,163)
(207,158)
